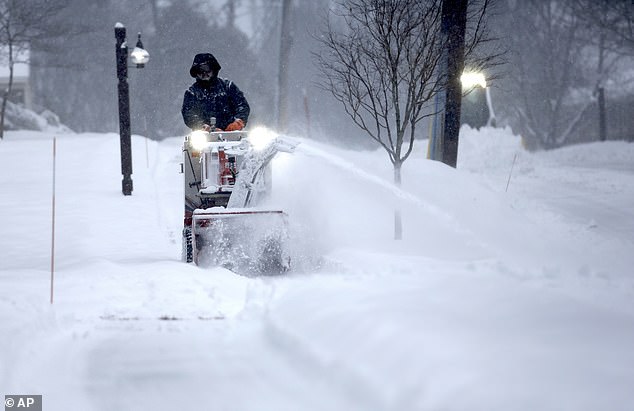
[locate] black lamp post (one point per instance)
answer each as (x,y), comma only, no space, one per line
(139,57)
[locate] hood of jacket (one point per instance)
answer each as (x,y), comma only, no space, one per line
(201,59)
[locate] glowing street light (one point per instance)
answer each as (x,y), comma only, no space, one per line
(473,79)
(139,55)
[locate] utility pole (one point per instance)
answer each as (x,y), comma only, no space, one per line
(453,26)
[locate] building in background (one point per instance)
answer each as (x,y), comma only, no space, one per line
(20,90)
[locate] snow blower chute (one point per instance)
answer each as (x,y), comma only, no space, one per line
(227,175)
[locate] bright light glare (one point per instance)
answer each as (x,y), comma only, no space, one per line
(139,56)
(261,137)
(473,79)
(198,139)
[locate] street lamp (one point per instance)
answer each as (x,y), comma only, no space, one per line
(472,79)
(139,57)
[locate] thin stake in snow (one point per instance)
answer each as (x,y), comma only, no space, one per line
(147,155)
(510,172)
(53,222)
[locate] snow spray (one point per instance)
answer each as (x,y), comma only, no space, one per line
(345,165)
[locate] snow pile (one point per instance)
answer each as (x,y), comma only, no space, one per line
(496,299)
(18,117)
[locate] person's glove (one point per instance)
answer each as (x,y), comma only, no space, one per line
(237,125)
(209,129)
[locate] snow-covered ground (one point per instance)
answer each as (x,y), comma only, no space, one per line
(496,299)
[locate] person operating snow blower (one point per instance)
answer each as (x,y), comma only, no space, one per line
(227,178)
(213,103)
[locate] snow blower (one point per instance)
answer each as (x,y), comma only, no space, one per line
(227,176)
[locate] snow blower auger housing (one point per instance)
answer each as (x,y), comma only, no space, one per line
(227,175)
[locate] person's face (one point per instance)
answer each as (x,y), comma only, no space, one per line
(204,72)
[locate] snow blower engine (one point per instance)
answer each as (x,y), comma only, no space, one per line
(227,176)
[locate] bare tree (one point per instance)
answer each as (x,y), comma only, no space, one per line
(172,32)
(286,42)
(282,35)
(84,53)
(22,22)
(552,95)
(615,17)
(381,60)
(608,28)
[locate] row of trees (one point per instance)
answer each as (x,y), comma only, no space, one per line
(77,80)
(563,55)
(74,75)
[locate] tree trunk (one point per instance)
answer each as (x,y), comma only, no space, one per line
(285,53)
(155,14)
(7,92)
(231,13)
(2,111)
(306,112)
(601,90)
(398,221)
(603,128)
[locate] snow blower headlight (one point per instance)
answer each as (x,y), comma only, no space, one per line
(261,137)
(198,140)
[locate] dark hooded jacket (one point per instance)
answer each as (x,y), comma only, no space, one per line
(217,97)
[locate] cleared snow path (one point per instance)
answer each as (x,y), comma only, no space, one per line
(191,359)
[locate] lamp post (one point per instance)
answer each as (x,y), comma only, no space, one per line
(139,57)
